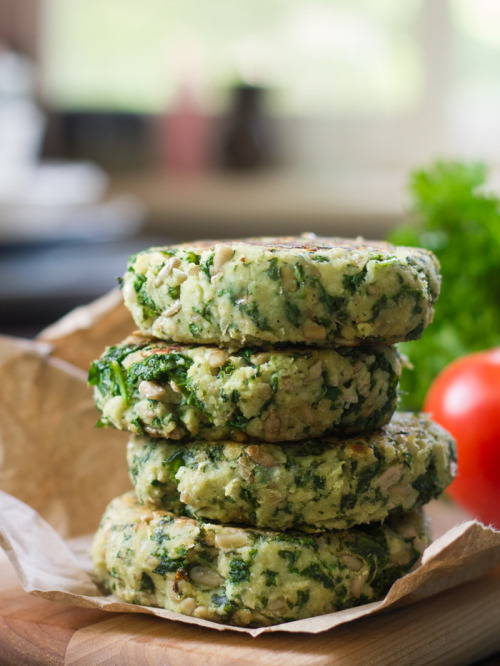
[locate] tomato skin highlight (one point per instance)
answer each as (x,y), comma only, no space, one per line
(465,399)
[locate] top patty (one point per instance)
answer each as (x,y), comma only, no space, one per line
(260,291)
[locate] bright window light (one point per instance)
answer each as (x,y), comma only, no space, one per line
(326,56)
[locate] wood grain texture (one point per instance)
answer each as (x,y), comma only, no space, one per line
(36,631)
(457,627)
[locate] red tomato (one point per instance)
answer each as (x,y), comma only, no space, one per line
(465,399)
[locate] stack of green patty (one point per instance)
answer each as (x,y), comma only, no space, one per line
(271,480)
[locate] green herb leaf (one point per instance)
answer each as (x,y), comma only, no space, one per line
(239,571)
(459,220)
(274,270)
(353,282)
(207,264)
(255,315)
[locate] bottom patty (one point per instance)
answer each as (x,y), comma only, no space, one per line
(249,577)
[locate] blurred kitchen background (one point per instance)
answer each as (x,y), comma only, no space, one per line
(125,124)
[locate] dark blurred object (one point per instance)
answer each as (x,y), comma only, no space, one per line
(118,142)
(247,143)
(40,282)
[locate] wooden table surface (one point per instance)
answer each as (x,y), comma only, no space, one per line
(460,626)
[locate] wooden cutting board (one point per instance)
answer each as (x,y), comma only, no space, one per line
(460,626)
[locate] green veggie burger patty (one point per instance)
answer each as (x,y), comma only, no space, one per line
(261,291)
(248,577)
(313,485)
(165,390)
